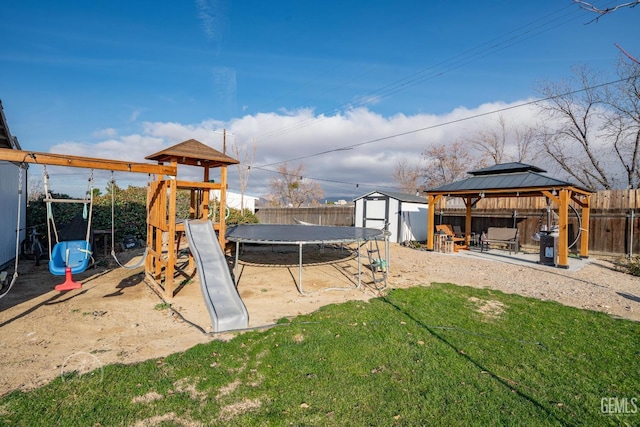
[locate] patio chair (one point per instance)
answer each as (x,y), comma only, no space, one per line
(458,242)
(457,231)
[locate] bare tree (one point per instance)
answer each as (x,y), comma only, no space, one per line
(601,12)
(525,137)
(447,163)
(622,125)
(407,176)
(591,8)
(593,130)
(491,142)
(35,190)
(573,142)
(244,167)
(502,143)
(291,188)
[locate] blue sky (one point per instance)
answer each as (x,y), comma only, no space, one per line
(126,79)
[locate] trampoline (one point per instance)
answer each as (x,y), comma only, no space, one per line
(285,234)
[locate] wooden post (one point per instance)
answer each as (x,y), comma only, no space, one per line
(467,223)
(222,238)
(584,233)
(171,249)
(563,223)
(206,196)
(431,220)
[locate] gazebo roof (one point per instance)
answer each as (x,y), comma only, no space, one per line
(505,179)
(193,153)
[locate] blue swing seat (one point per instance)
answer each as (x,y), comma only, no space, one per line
(79,254)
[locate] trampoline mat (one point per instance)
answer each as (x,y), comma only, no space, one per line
(296,234)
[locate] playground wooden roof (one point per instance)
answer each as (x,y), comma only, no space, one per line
(193,153)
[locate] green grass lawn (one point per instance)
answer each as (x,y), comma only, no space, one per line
(437,355)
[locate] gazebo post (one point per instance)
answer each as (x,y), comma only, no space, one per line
(563,223)
(467,223)
(431,220)
(584,231)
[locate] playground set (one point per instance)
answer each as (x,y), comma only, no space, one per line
(69,257)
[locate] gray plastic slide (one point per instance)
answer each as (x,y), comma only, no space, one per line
(226,309)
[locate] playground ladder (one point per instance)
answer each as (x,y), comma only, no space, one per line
(377,264)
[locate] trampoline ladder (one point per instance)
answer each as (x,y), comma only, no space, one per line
(377,264)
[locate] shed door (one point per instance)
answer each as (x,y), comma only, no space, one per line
(376,212)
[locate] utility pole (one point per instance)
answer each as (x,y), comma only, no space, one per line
(224,141)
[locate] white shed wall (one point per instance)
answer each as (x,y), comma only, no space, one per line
(413,224)
(9,195)
(407,220)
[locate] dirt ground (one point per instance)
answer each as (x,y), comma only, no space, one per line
(117,318)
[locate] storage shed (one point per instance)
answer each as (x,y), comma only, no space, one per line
(406,214)
(9,179)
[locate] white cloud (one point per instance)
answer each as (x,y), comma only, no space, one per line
(211,16)
(295,134)
(134,115)
(105,133)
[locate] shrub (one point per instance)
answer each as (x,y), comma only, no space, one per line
(632,265)
(244,217)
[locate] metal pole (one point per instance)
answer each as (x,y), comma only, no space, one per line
(235,267)
(359,265)
(300,270)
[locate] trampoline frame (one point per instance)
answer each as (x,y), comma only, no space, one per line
(244,233)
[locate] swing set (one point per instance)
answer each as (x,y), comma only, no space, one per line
(68,257)
(73,256)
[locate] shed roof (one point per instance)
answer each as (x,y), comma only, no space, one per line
(403,197)
(194,153)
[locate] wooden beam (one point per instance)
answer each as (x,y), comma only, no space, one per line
(19,156)
(551,196)
(198,184)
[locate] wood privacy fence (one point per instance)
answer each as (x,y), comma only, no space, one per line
(321,215)
(614,225)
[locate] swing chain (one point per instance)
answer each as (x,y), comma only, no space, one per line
(22,166)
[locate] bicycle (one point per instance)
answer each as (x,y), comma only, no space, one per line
(32,248)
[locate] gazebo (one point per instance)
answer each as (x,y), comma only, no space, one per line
(516,180)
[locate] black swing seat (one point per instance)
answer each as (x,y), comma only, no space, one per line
(74,254)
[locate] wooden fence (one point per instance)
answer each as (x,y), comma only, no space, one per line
(614,214)
(603,200)
(321,215)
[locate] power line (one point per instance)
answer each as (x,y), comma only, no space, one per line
(462,119)
(457,61)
